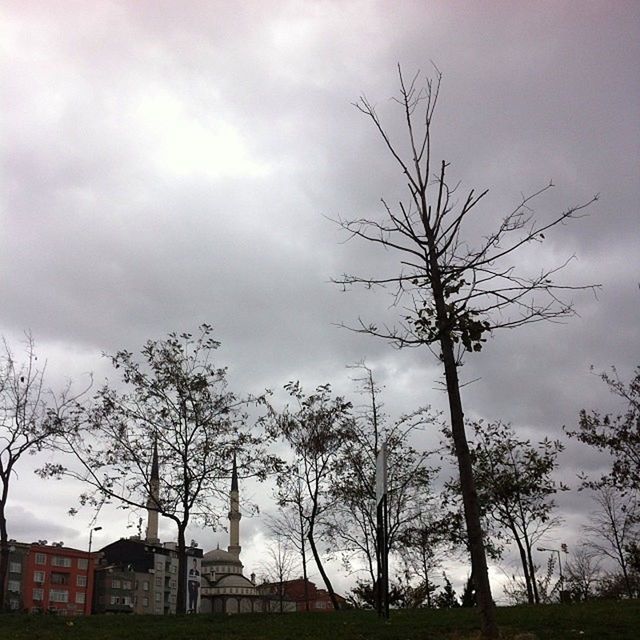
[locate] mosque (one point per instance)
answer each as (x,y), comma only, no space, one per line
(224,588)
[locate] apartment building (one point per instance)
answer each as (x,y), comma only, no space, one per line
(52,578)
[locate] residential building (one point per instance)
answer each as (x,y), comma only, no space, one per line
(58,579)
(114,590)
(294,591)
(18,552)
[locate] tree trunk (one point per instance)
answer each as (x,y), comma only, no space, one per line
(4,556)
(532,572)
(525,567)
(325,577)
(479,567)
(181,603)
(303,551)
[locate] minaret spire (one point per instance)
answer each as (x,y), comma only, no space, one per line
(234,512)
(154,498)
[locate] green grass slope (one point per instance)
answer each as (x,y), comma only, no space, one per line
(590,621)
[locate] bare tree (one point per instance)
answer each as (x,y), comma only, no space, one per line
(32,418)
(613,529)
(279,565)
(451,294)
(290,522)
(582,574)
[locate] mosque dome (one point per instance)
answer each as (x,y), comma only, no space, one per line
(220,556)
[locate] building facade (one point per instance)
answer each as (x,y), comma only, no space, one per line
(139,577)
(50,578)
(302,594)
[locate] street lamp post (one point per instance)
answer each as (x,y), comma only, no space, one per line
(559,566)
(87,603)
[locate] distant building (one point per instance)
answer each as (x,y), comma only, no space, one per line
(294,591)
(114,590)
(140,576)
(52,578)
(14,587)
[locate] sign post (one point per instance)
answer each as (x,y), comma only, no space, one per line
(382,582)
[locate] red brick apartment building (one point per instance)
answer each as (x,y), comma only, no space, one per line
(50,578)
(294,591)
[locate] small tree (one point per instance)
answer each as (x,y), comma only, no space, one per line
(422,548)
(618,435)
(447,598)
(290,523)
(315,430)
(351,525)
(613,530)
(174,400)
(516,489)
(32,418)
(452,292)
(582,574)
(279,565)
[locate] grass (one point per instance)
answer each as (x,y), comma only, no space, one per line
(588,621)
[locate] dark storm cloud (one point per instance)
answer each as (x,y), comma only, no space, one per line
(163,167)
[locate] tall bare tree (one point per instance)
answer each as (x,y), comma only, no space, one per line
(32,418)
(452,291)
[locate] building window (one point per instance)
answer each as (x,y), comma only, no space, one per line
(145,585)
(59,578)
(13,585)
(82,563)
(145,602)
(126,600)
(158,597)
(38,594)
(15,567)
(81,581)
(80,597)
(58,595)
(14,605)
(38,577)
(126,584)
(320,605)
(41,558)
(115,584)
(158,581)
(59,561)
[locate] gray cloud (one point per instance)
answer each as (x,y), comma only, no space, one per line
(164,167)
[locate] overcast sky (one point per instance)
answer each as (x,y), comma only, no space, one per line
(166,164)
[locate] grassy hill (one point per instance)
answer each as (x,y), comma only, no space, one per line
(591,621)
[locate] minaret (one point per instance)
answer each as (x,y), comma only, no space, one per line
(153,499)
(234,513)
